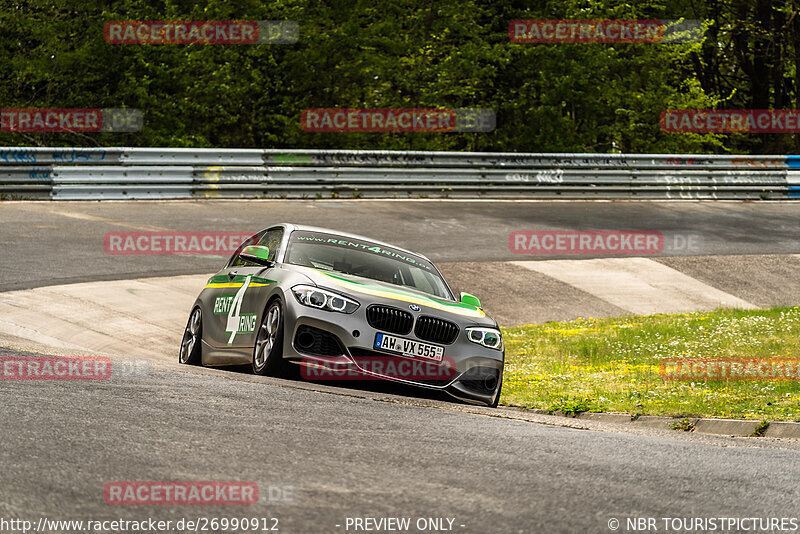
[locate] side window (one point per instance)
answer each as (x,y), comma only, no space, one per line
(272,239)
(235,261)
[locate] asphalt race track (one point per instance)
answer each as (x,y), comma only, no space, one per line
(321,453)
(445,231)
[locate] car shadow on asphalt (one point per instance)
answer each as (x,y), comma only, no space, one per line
(373,386)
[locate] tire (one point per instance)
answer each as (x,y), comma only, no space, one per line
(268,350)
(498,391)
(192,339)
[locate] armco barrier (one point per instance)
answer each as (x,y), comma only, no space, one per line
(793,176)
(166,173)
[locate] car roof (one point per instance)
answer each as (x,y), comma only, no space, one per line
(291,227)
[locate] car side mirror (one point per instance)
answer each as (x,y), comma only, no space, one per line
(257,254)
(466,298)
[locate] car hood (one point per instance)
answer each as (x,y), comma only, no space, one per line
(366,286)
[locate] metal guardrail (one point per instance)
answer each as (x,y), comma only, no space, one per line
(163,173)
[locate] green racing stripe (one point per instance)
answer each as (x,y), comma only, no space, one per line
(223,280)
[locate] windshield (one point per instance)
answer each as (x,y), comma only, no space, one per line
(328,252)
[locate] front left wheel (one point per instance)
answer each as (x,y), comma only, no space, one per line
(190,345)
(497,392)
(268,351)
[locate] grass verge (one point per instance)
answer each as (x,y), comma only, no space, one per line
(613,365)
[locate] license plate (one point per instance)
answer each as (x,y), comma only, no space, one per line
(408,347)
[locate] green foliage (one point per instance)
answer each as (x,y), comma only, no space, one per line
(684,425)
(760,430)
(400,53)
(573,405)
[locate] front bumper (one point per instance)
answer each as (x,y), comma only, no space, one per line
(468,371)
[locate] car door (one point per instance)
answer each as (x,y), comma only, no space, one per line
(240,309)
(218,297)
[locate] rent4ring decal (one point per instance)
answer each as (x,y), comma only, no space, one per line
(238,323)
(222,304)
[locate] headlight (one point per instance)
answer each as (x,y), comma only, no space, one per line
(323,299)
(488,337)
